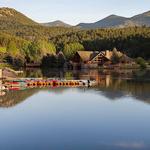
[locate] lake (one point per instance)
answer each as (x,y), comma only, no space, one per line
(113,115)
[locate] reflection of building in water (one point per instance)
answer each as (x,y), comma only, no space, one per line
(111,84)
(108,80)
(101,79)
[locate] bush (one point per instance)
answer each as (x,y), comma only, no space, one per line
(18,62)
(49,61)
(15,61)
(141,62)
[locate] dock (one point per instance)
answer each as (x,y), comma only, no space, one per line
(27,83)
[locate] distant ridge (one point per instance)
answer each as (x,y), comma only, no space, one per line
(11,17)
(110,21)
(142,19)
(57,23)
(114,21)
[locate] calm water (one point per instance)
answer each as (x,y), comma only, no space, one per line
(114,115)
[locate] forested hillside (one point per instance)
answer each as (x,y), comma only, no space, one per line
(23,40)
(134,41)
(15,23)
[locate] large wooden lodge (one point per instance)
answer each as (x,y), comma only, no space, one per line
(94,59)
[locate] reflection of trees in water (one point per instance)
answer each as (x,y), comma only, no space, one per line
(13,98)
(117,89)
(49,72)
(111,84)
(33,73)
(68,76)
(116,84)
(142,74)
(138,89)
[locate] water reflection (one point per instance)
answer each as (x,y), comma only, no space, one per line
(111,84)
(112,115)
(13,98)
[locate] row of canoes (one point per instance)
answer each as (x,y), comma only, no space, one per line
(39,83)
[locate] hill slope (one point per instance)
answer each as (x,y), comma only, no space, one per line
(142,19)
(10,15)
(57,23)
(17,24)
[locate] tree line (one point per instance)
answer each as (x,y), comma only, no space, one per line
(133,41)
(35,43)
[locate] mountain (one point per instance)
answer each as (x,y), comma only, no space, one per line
(108,22)
(57,23)
(10,15)
(114,21)
(12,19)
(15,23)
(142,19)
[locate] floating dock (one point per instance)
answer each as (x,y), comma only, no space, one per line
(44,83)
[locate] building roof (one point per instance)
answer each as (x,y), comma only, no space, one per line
(90,55)
(107,54)
(87,55)
(125,58)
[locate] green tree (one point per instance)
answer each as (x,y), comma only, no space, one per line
(71,48)
(12,49)
(34,51)
(47,47)
(38,49)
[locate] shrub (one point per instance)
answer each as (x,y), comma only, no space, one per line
(49,61)
(141,62)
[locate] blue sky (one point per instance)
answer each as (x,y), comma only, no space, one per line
(76,11)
